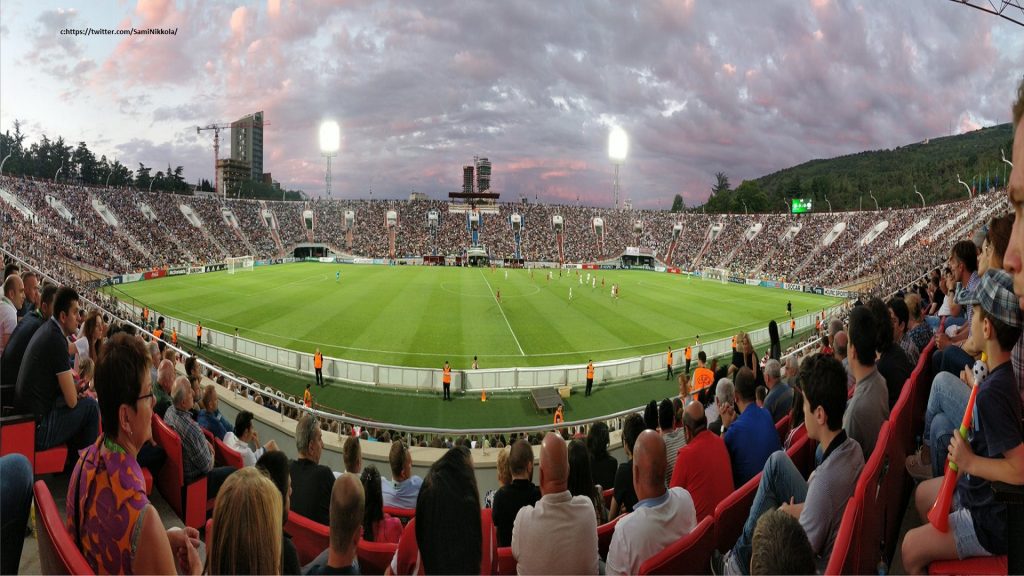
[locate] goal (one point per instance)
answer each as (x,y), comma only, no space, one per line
(719,274)
(239,263)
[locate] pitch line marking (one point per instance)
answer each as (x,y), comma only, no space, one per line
(502,310)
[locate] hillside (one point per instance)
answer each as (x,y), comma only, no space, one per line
(931,165)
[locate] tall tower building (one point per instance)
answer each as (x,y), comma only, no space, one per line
(467,179)
(483,174)
(247,143)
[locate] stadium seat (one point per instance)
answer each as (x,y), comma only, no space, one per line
(18,436)
(842,560)
(868,493)
(801,452)
(607,496)
(921,386)
(783,427)
(506,562)
(58,553)
(310,538)
(227,456)
(604,536)
(374,557)
(990,565)
(188,501)
(490,542)
(731,514)
(404,514)
(690,554)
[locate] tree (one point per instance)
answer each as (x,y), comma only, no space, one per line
(677,203)
(142,177)
(721,184)
(84,162)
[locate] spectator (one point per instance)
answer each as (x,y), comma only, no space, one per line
(779,400)
(88,342)
(164,386)
(352,455)
(559,533)
(15,350)
(994,451)
(16,502)
(674,438)
(196,451)
(899,315)
(246,535)
(126,399)
(702,465)
(404,487)
(624,496)
(31,282)
(46,385)
(780,546)
(892,363)
(818,503)
(869,405)
(275,466)
(312,482)
(504,477)
(750,436)
(10,303)
(775,346)
(347,506)
(245,433)
(918,331)
(378,526)
(211,418)
(651,415)
(950,355)
(725,392)
(581,483)
(660,517)
(842,353)
(521,492)
(602,464)
(449,505)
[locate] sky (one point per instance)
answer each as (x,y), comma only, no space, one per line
(420,88)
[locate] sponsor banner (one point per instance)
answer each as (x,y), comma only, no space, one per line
(115,280)
(260,263)
(771,284)
(326,260)
(196,270)
(753,282)
(673,271)
(379,261)
(177,271)
(839,293)
(589,266)
(607,267)
(660,269)
(632,251)
(154,274)
(128,278)
(737,280)
(289,260)
(216,267)
(789,286)
(362,261)
(813,290)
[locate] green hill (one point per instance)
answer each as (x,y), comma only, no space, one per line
(932,165)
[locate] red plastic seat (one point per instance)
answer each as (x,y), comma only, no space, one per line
(606,495)
(18,436)
(783,426)
(506,562)
(731,513)
(490,542)
(188,501)
(225,455)
(842,561)
(870,530)
(691,554)
(374,557)
(404,514)
(801,452)
(989,565)
(309,537)
(58,553)
(604,536)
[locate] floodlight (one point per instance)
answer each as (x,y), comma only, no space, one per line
(330,137)
(618,144)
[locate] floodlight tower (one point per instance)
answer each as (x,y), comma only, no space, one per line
(330,141)
(618,148)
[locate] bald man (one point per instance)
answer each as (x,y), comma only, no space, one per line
(164,386)
(348,504)
(558,535)
(660,517)
(702,465)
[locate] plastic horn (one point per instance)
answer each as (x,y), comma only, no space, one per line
(939,514)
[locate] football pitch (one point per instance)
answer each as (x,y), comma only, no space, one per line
(421,316)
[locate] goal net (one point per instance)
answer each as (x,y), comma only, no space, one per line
(239,263)
(715,274)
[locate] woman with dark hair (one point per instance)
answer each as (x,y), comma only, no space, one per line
(448,529)
(581,483)
(276,466)
(377,526)
(108,513)
(775,348)
(651,415)
(602,464)
(93,332)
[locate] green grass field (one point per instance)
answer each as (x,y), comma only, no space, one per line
(421,316)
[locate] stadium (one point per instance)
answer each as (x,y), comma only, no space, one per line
(415,358)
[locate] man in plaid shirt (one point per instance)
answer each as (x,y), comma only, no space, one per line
(196,452)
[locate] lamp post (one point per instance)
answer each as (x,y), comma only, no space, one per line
(969,195)
(151,180)
(829,205)
(919,195)
(330,141)
(744,207)
(110,171)
(786,204)
(57,173)
(872,194)
(618,148)
(2,162)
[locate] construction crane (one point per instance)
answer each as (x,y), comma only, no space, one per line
(216,149)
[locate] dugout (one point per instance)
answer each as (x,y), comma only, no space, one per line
(477,256)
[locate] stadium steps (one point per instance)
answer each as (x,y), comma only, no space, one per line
(273,229)
(810,258)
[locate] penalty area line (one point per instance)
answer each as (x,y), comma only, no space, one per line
(502,310)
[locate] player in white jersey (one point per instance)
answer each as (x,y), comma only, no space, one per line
(570,293)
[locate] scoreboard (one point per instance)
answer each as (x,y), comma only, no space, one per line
(801,205)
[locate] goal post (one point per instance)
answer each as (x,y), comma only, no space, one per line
(715,274)
(239,263)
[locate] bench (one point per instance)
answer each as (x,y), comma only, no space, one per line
(546,398)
